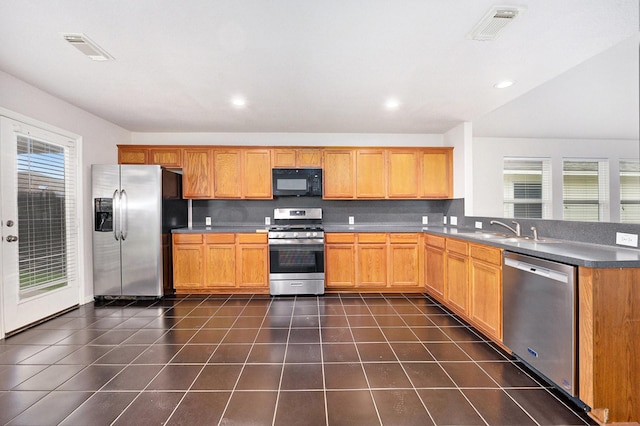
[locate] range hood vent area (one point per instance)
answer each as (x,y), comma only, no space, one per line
(494,22)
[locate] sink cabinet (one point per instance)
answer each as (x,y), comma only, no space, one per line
(485,289)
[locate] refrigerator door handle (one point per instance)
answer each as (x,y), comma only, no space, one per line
(124,211)
(116,211)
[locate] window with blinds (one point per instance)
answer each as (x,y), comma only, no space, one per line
(585,190)
(527,188)
(630,191)
(46,215)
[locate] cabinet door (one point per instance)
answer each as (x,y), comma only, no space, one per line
(188,267)
(371,263)
(404,260)
(227,168)
(196,173)
(456,290)
(371,171)
(339,265)
(437,173)
(434,271)
(220,266)
(283,158)
(166,157)
(132,155)
(256,174)
(253,265)
(404,174)
(338,176)
(311,158)
(485,286)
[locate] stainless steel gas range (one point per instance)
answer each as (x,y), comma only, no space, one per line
(296,252)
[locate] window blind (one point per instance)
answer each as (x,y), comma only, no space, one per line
(630,191)
(527,187)
(585,190)
(47,233)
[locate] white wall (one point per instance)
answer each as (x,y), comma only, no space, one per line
(288,139)
(20,100)
(460,138)
(488,155)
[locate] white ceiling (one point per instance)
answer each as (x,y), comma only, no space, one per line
(303,65)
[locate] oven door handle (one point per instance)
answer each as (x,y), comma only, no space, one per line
(298,243)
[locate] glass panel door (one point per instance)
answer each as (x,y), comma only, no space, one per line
(39,224)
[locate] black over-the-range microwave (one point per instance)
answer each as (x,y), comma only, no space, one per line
(297,182)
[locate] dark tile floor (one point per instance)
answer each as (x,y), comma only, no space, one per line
(242,360)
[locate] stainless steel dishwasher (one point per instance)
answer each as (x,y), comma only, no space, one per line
(539,316)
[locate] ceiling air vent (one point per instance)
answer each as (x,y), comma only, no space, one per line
(87,46)
(494,22)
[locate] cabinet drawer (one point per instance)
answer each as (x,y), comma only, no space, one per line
(340,238)
(486,253)
(187,238)
(434,241)
(457,246)
(252,238)
(404,238)
(372,238)
(220,238)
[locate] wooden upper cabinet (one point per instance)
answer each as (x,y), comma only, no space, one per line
(132,154)
(166,157)
(284,158)
(404,173)
(339,173)
(227,169)
(197,177)
(256,173)
(437,173)
(371,173)
(310,158)
(297,158)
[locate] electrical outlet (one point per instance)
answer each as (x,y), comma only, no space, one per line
(478,225)
(454,220)
(444,220)
(624,239)
(425,220)
(267,220)
(207,221)
(351,220)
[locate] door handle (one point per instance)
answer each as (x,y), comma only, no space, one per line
(11,238)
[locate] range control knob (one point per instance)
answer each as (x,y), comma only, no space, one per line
(315,234)
(295,234)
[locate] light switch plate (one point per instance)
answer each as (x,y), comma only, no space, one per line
(478,224)
(630,240)
(207,221)
(267,220)
(454,220)
(444,220)
(425,220)
(351,220)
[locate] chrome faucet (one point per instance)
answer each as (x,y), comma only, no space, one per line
(515,230)
(535,233)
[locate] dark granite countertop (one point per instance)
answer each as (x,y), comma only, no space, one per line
(569,252)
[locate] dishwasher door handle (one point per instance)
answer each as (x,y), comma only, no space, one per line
(537,270)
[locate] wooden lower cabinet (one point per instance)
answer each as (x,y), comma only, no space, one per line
(373,262)
(609,332)
(404,260)
(188,261)
(434,265)
(456,289)
(220,262)
(371,269)
(485,289)
(340,260)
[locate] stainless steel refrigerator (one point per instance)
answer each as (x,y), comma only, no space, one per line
(134,209)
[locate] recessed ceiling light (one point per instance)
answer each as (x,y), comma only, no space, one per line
(392,104)
(503,84)
(238,102)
